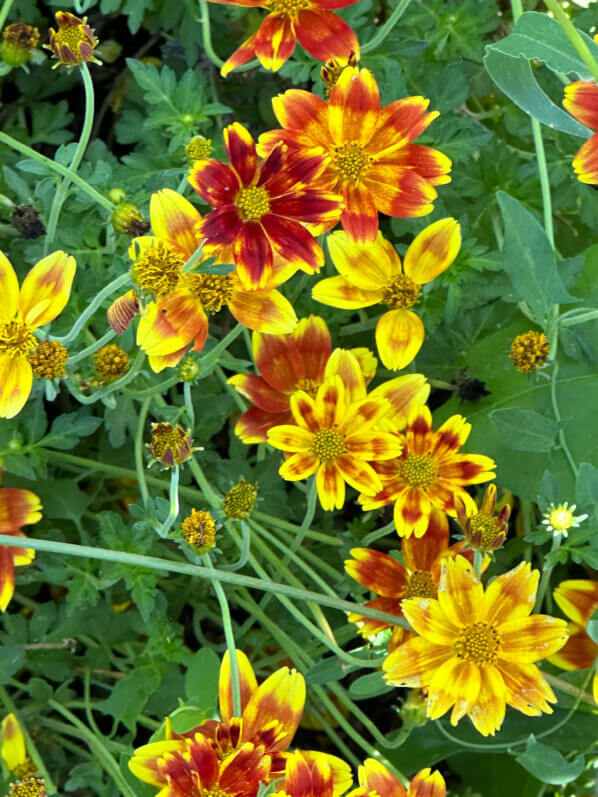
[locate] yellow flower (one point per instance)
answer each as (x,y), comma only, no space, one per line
(475,652)
(372,273)
(14,750)
(43,296)
(560,519)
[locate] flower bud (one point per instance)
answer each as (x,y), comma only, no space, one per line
(170,445)
(73,43)
(18,41)
(122,311)
(127,219)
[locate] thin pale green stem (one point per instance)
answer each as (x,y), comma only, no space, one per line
(63,188)
(173,511)
(574,36)
(116,284)
(64,171)
(546,574)
(139,463)
(5,11)
(81,355)
(386,28)
(189,405)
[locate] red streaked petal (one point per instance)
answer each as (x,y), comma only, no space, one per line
(529,639)
(489,711)
(400,122)
(345,364)
(467,469)
(252,426)
(429,163)
(456,684)
(420,431)
(293,242)
(303,111)
(411,512)
(378,572)
(420,554)
(369,627)
(252,252)
(275,41)
(512,595)
(280,697)
(304,412)
(241,772)
(313,341)
(171,323)
(259,392)
(244,53)
(375,777)
(263,311)
(330,403)
(16,380)
(18,508)
(331,486)
(427,784)
(403,392)
(585,162)
(461,594)
(221,226)
(175,220)
(578,599)
(414,663)
(240,149)
(360,475)
(46,289)
(578,653)
(399,192)
(325,35)
(353,107)
(299,466)
(9,289)
(290,438)
(7,576)
(216,182)
(360,216)
(581,100)
(247,684)
(433,250)
(373,446)
(527,691)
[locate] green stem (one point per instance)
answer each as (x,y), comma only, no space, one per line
(206,34)
(64,171)
(244,552)
(185,568)
(574,37)
(31,748)
(189,405)
(4,12)
(173,512)
(116,284)
(81,355)
(385,29)
(139,463)
(63,188)
(545,579)
(230,639)
(544,180)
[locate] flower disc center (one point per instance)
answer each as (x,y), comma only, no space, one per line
(289,7)
(212,290)
(478,642)
(16,339)
(400,292)
(309,386)
(158,268)
(351,161)
(487,526)
(418,470)
(253,203)
(328,444)
(420,585)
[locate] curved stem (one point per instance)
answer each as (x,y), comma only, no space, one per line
(81,355)
(93,306)
(385,29)
(63,188)
(139,463)
(545,579)
(107,390)
(174,503)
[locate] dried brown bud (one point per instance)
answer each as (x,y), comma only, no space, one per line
(25,220)
(122,311)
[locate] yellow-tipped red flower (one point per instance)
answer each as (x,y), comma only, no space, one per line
(430,472)
(375,779)
(312,775)
(370,159)
(581,100)
(393,582)
(336,435)
(262,208)
(373,274)
(319,31)
(476,651)
(43,296)
(578,600)
(18,508)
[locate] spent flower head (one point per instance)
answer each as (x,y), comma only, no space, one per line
(18,42)
(111,362)
(198,148)
(126,218)
(199,530)
(560,519)
(529,351)
(239,501)
(170,445)
(48,360)
(484,530)
(73,43)
(28,787)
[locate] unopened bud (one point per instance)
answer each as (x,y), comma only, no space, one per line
(122,311)
(170,445)
(127,219)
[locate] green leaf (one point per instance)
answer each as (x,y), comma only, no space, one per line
(201,678)
(548,765)
(326,671)
(525,430)
(369,685)
(129,696)
(586,486)
(12,658)
(529,259)
(592,627)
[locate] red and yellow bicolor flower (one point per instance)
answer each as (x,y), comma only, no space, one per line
(262,209)
(43,296)
(18,508)
(429,472)
(370,158)
(312,776)
(288,363)
(374,778)
(323,34)
(578,600)
(178,316)
(581,100)
(393,582)
(372,273)
(476,651)
(336,435)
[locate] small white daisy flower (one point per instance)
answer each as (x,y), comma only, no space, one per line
(560,519)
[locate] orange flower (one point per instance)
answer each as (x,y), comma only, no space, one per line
(475,651)
(261,208)
(417,578)
(179,315)
(370,159)
(43,296)
(374,778)
(336,435)
(429,472)
(578,600)
(17,508)
(320,32)
(372,274)
(581,100)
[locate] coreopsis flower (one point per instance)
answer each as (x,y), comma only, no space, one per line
(189,767)
(430,472)
(578,600)
(262,208)
(581,100)
(392,581)
(374,778)
(370,158)
(559,519)
(319,31)
(310,776)
(178,317)
(373,274)
(336,435)
(484,530)
(43,296)
(170,445)
(529,351)
(73,43)
(18,42)
(476,651)
(14,749)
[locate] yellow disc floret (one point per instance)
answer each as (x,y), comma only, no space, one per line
(328,444)
(420,585)
(253,203)
(16,339)
(289,7)
(485,529)
(400,292)
(29,787)
(48,361)
(529,351)
(351,161)
(239,501)
(111,362)
(158,268)
(198,148)
(199,530)
(212,290)
(418,470)
(73,42)
(478,642)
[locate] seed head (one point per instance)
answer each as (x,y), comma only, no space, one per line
(199,530)
(18,42)
(529,351)
(239,501)
(48,360)
(111,362)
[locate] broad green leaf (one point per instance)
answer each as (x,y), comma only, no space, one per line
(201,678)
(129,696)
(369,685)
(529,259)
(525,430)
(548,765)
(586,487)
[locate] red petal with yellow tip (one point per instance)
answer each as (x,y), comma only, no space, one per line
(275,41)
(413,663)
(46,289)
(175,220)
(399,123)
(578,653)
(313,341)
(427,784)
(216,182)
(241,773)
(360,216)
(18,508)
(354,106)
(292,241)
(377,571)
(259,392)
(247,683)
(399,337)
(308,777)
(263,311)
(342,777)
(399,192)
(330,486)
(16,379)
(421,554)
(303,111)
(581,100)
(585,162)
(9,290)
(310,207)
(369,627)
(253,255)
(279,360)
(358,474)
(253,425)
(280,697)
(240,149)
(578,599)
(433,250)
(324,35)
(245,52)
(375,777)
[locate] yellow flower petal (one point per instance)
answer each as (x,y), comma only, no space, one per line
(330,486)
(339,292)
(13,751)
(175,219)
(366,266)
(456,684)
(16,379)
(399,337)
(433,250)
(247,683)
(263,311)
(46,289)
(9,290)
